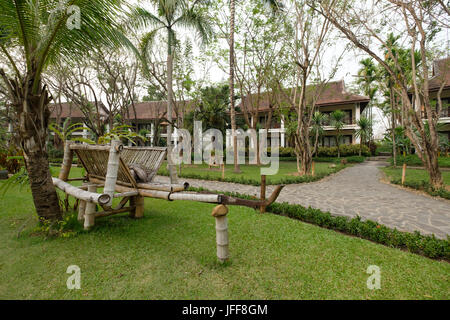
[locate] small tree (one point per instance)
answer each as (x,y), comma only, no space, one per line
(363,132)
(318,121)
(337,121)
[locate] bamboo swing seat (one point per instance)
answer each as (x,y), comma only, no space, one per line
(110,167)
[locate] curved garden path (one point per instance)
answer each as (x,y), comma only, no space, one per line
(358,191)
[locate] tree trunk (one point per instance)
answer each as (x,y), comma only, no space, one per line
(33,115)
(232,109)
(394,145)
(172,168)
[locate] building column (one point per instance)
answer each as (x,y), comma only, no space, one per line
(283,135)
(152,134)
(175,136)
(357,112)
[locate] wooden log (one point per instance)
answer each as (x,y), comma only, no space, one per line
(113,170)
(222,242)
(78,193)
(119,147)
(67,161)
(126,194)
(404,174)
(113,212)
(89,215)
(262,209)
(148,186)
(255,204)
(166,195)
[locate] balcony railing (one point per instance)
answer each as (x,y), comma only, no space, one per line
(347,121)
(445,113)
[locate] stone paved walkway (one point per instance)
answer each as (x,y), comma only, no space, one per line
(358,191)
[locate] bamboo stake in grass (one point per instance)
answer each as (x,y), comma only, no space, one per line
(262,209)
(223,171)
(82,206)
(313,169)
(403,173)
(89,215)
(220,213)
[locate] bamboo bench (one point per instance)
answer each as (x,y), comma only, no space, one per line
(108,167)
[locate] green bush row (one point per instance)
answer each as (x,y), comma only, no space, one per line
(327,152)
(414,161)
(423,185)
(253,182)
(428,246)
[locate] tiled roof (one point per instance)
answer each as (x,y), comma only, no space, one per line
(334,94)
(71,110)
(153,110)
(441,73)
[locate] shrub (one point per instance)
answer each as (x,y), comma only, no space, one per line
(414,161)
(423,185)
(346,151)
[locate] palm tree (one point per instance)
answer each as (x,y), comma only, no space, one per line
(318,121)
(337,121)
(47,32)
(367,77)
(171,15)
(363,132)
(276,6)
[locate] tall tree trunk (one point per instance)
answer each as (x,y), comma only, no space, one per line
(394,145)
(232,107)
(171,166)
(33,114)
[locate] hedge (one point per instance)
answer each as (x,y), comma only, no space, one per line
(414,161)
(423,185)
(327,152)
(428,246)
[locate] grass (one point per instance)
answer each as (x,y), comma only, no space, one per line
(251,174)
(170,254)
(414,175)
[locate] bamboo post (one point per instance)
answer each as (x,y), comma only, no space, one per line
(82,207)
(313,169)
(113,169)
(89,215)
(403,173)
(139,211)
(220,214)
(223,171)
(262,209)
(67,161)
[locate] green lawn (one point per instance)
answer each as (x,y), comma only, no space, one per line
(170,254)
(251,174)
(414,175)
